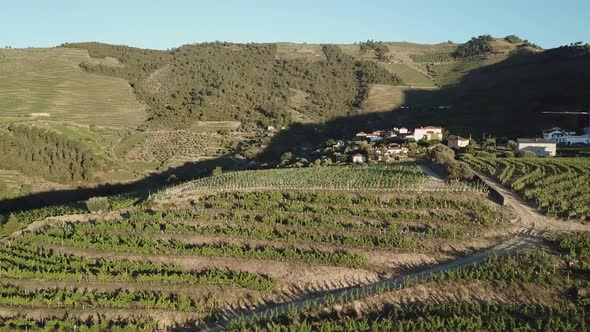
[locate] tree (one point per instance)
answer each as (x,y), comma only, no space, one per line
(216,171)
(441,154)
(445,156)
(513,39)
(286,158)
(476,46)
(459,171)
(97,204)
(511,145)
(223,132)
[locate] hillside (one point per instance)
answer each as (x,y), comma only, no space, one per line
(243,251)
(250,83)
(48,84)
(163,115)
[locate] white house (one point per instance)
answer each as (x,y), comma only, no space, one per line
(541,147)
(338,145)
(397,150)
(359,158)
(428,132)
(458,142)
(401,130)
(561,136)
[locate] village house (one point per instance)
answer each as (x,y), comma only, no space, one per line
(428,133)
(361,134)
(457,142)
(401,130)
(406,136)
(562,136)
(378,133)
(338,145)
(397,150)
(541,147)
(359,158)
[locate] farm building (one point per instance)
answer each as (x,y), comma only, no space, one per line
(359,158)
(428,132)
(541,147)
(458,142)
(561,136)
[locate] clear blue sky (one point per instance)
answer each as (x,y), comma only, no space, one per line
(171,23)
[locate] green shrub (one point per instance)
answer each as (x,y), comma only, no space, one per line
(509,154)
(526,154)
(216,171)
(123,201)
(474,47)
(97,204)
(513,39)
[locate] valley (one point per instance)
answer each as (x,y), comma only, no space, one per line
(283,186)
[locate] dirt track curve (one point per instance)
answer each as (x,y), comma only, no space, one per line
(514,243)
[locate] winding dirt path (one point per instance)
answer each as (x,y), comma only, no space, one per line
(530,217)
(517,242)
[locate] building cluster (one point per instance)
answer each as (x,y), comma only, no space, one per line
(403,134)
(563,136)
(391,139)
(547,146)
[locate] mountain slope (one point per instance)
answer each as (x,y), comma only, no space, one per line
(244,82)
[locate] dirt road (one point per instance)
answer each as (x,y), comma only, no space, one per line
(514,243)
(530,217)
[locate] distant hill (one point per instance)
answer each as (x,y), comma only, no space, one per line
(123,106)
(252,83)
(496,86)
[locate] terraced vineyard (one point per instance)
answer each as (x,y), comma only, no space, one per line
(530,291)
(558,186)
(189,263)
(379,177)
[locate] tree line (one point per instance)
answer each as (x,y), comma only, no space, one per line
(38,152)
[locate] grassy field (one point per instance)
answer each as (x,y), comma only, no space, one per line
(48,84)
(386,97)
(410,76)
(451,73)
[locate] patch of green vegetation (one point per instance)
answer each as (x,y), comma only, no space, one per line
(433,57)
(38,152)
(254,90)
(128,143)
(476,46)
(381,49)
(408,75)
